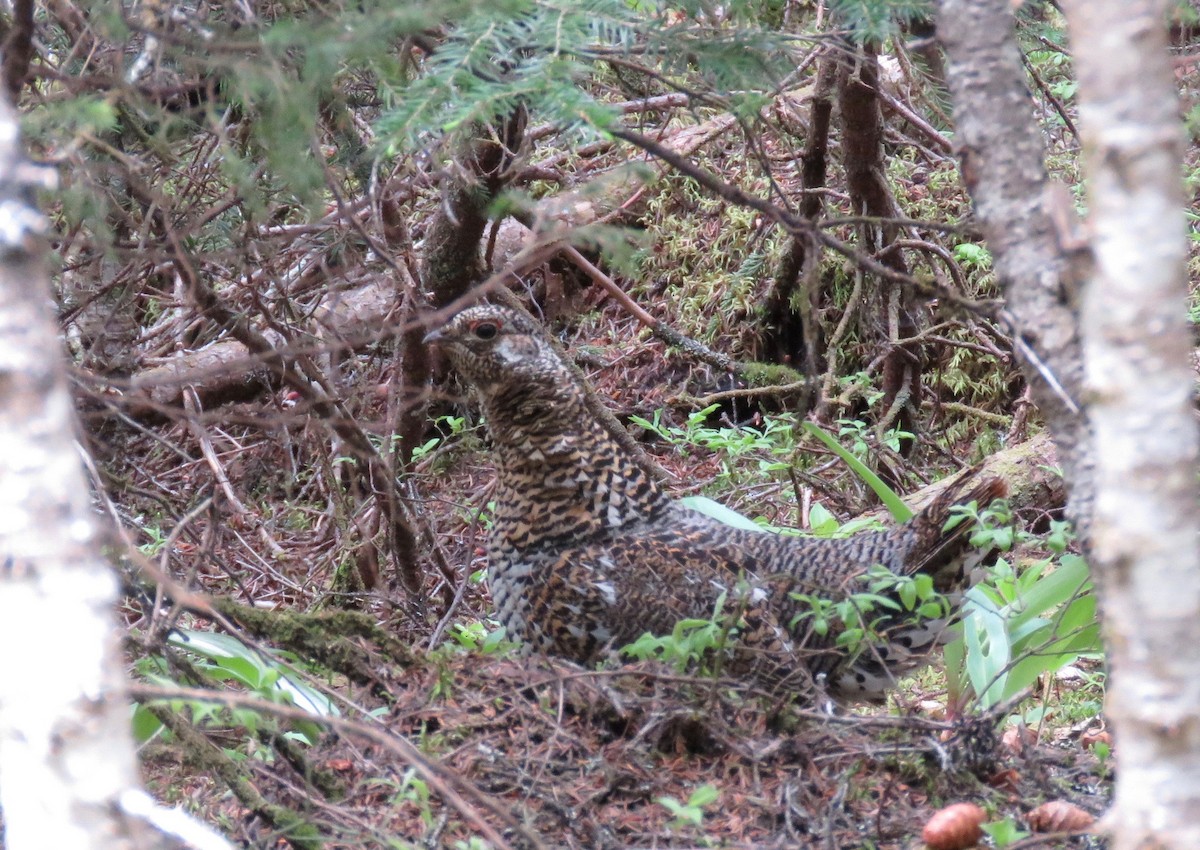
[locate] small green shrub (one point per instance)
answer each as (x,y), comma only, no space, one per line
(223,658)
(690,814)
(1021,624)
(692,644)
(483,638)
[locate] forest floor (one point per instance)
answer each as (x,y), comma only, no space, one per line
(612,759)
(523,752)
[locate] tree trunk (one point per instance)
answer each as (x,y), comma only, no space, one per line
(791,326)
(68,772)
(1146,520)
(870,195)
(1001,152)
(1117,299)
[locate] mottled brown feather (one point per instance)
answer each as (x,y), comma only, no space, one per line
(587,552)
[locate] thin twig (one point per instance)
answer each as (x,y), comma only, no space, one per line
(449,785)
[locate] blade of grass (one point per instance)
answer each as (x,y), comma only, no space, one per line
(899,511)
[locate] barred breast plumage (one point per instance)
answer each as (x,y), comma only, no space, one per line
(587,551)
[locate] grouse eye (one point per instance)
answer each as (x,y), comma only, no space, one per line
(485,330)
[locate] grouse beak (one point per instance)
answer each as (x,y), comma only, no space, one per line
(434,337)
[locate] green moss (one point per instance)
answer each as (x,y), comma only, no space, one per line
(769,374)
(324,636)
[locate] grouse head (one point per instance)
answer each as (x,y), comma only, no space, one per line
(504,355)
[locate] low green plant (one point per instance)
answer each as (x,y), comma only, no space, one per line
(425,448)
(772,445)
(224,658)
(1004,833)
(891,500)
(692,645)
(1103,754)
(1020,624)
(690,814)
(452,425)
(444,678)
(158,539)
(413,790)
(860,619)
(478,637)
(483,638)
(973,256)
(860,434)
(771,450)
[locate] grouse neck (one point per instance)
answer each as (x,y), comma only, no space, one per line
(536,423)
(533,432)
(550,448)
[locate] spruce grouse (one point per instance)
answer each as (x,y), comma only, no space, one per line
(587,552)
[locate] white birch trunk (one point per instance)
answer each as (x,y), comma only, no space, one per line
(68,772)
(1139,400)
(66,751)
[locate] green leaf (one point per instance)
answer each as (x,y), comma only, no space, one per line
(306,731)
(704,795)
(954,655)
(986,666)
(202,712)
(1004,832)
(1026,671)
(233,659)
(895,505)
(821,521)
(1058,588)
(720,513)
(683,812)
(932,610)
(145,725)
(850,637)
(241,670)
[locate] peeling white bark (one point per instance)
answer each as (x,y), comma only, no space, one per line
(67,759)
(1138,397)
(66,752)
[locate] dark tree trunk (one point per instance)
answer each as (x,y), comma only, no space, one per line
(870,195)
(925,45)
(17,51)
(453,258)
(452,264)
(793,332)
